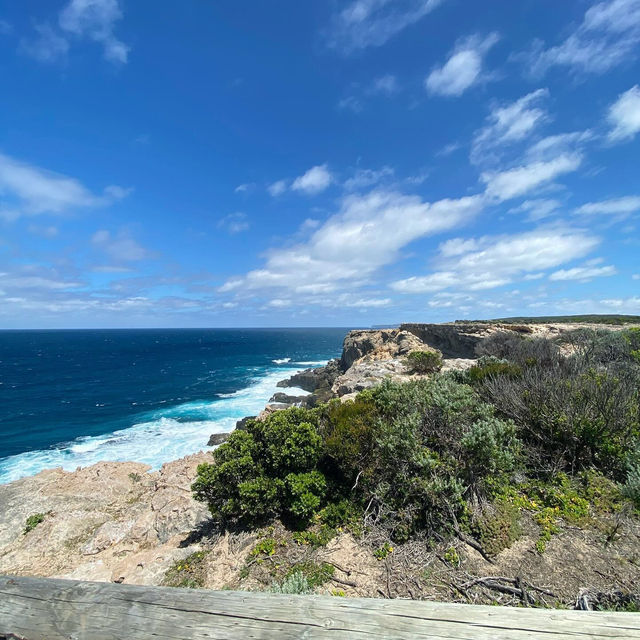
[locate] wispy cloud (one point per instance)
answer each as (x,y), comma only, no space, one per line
(507,124)
(29,190)
(538,208)
(277,188)
(93,20)
(463,69)
(365,178)
(518,181)
(387,84)
(234,223)
(584,273)
(47,46)
(121,247)
(624,116)
(615,206)
(608,36)
(371,23)
(350,103)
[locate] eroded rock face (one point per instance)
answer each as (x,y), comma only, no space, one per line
(364,375)
(314,379)
(381,344)
(110,521)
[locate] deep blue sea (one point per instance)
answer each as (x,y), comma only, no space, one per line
(73,398)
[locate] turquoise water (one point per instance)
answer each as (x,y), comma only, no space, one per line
(73,398)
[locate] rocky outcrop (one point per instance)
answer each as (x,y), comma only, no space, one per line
(380,344)
(454,340)
(364,375)
(217,438)
(113,521)
(314,379)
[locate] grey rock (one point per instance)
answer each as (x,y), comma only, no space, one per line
(217,438)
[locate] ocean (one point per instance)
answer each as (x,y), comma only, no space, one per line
(72,398)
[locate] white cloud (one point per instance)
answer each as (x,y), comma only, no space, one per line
(29,190)
(371,23)
(234,222)
(366,234)
(385,84)
(584,273)
(277,188)
(614,206)
(538,208)
(608,36)
(120,246)
(624,116)
(245,187)
(520,180)
(490,262)
(508,124)
(463,69)
(314,181)
(635,276)
(95,19)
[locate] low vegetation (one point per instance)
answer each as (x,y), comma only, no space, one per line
(424,361)
(538,431)
(33,521)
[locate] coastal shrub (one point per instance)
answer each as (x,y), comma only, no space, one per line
(294,584)
(490,366)
(348,432)
(424,361)
(496,526)
(631,488)
(268,470)
(33,521)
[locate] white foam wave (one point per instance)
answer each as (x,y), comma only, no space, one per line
(165,435)
(281,360)
(312,363)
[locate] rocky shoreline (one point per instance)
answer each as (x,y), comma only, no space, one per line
(118,521)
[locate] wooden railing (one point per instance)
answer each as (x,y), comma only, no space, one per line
(47,609)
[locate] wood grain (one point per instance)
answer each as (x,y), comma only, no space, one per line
(48,609)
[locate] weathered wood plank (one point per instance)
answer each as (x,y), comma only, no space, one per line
(39,609)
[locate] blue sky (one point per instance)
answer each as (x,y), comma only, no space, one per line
(286,163)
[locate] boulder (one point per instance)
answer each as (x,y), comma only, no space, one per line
(242,424)
(217,438)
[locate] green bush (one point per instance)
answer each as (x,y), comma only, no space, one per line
(424,361)
(631,488)
(33,521)
(489,367)
(266,471)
